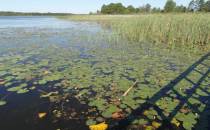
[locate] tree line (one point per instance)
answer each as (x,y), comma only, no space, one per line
(8,13)
(170,6)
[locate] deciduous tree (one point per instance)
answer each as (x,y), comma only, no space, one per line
(170,6)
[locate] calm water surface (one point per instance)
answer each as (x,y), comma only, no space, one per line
(39,22)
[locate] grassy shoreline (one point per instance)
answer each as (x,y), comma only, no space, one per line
(186,30)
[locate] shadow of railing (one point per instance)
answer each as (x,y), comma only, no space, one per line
(170,87)
(204,119)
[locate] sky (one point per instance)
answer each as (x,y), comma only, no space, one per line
(73,6)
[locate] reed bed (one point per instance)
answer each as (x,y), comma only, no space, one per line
(188,30)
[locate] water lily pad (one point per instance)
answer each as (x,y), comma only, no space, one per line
(15,89)
(109,111)
(21,91)
(90,122)
(2,103)
(42,82)
(156,124)
(99,103)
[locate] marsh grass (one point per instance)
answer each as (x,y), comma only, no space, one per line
(188,30)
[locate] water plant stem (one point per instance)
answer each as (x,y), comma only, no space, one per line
(129,89)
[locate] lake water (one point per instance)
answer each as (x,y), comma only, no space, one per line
(39,22)
(76,72)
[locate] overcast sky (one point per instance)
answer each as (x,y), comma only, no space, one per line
(72,6)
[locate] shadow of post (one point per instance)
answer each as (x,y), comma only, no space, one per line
(124,123)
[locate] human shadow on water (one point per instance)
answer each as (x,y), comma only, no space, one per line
(183,100)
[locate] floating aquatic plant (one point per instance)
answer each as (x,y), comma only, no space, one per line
(140,122)
(18,88)
(90,122)
(21,91)
(99,103)
(2,103)
(108,111)
(2,73)
(189,120)
(98,74)
(42,82)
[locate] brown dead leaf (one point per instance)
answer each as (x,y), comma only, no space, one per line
(118,115)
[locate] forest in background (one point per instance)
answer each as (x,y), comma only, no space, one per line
(118,8)
(170,6)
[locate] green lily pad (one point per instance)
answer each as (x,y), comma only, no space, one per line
(108,112)
(90,122)
(42,82)
(21,91)
(15,89)
(2,103)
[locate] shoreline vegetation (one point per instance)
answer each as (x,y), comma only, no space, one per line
(174,25)
(188,30)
